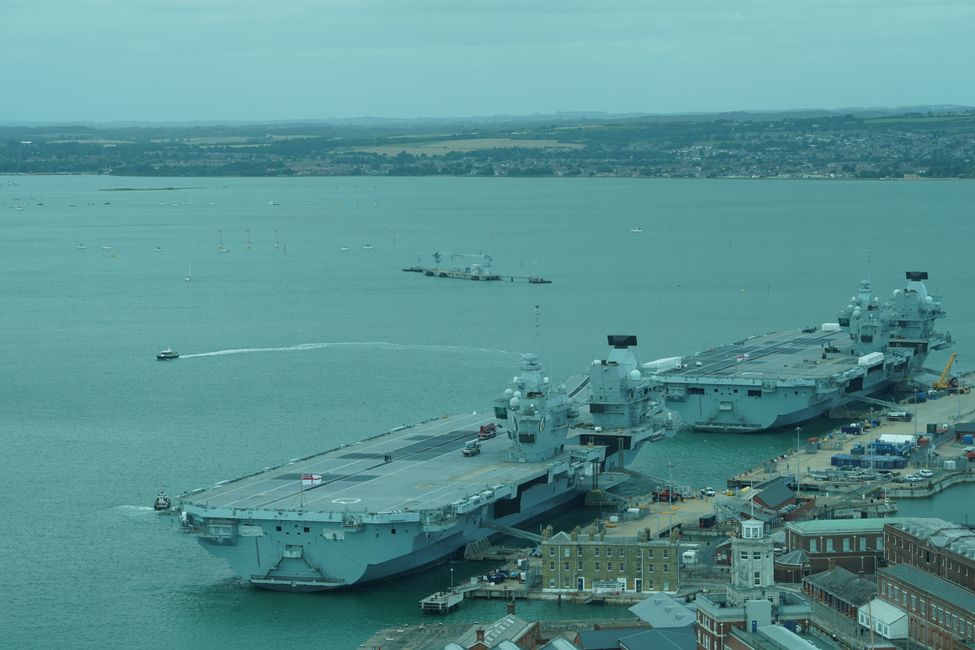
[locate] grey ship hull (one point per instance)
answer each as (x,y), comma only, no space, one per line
(389,505)
(776,380)
(788,377)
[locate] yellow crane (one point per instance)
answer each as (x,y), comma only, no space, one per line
(944,382)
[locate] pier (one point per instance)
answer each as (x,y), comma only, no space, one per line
(464,266)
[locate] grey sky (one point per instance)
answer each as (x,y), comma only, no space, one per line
(166,60)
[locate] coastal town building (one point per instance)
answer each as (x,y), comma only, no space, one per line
(880,618)
(854,544)
(939,547)
(768,637)
(752,600)
(940,613)
(840,590)
(597,562)
(510,629)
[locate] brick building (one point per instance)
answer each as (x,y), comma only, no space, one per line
(840,590)
(857,545)
(939,547)
(941,614)
(752,600)
(598,562)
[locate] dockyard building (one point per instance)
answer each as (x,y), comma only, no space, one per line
(752,600)
(939,547)
(769,637)
(840,590)
(508,632)
(602,563)
(940,613)
(857,545)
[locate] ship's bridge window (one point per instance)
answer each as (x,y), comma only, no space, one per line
(754,392)
(695,390)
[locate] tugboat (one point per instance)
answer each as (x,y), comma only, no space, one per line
(162,502)
(167,354)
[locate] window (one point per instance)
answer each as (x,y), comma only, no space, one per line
(566,566)
(863,543)
(813,546)
(595,551)
(666,553)
(829,544)
(913,603)
(846,544)
(551,551)
(551,566)
(621,567)
(567,552)
(649,553)
(609,552)
(756,555)
(758,578)
(665,568)
(579,566)
(744,555)
(597,566)
(650,570)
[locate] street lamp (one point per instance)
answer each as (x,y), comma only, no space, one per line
(798,429)
(670,496)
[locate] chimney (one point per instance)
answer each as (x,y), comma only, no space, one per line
(480,634)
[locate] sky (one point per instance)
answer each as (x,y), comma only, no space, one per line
(260,60)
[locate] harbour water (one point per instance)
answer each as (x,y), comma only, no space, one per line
(292,345)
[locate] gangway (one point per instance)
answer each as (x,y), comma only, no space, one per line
(512,531)
(878,402)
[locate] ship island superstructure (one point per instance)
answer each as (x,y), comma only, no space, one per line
(787,377)
(405,499)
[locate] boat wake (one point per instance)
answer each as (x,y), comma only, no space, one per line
(303,347)
(134,511)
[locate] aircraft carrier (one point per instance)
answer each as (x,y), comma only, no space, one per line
(408,498)
(787,377)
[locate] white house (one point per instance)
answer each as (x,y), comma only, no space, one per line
(884,619)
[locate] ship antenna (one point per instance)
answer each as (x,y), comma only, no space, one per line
(538,317)
(869,260)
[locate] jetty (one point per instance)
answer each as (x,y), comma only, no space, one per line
(465,266)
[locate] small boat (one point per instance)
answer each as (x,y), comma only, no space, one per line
(162,502)
(344,248)
(167,354)
(80,247)
(367,246)
(536,280)
(189,273)
(157,249)
(636,229)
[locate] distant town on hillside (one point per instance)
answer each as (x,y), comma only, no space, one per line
(921,142)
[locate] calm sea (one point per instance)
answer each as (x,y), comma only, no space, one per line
(293,345)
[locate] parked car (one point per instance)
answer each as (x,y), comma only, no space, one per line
(707,492)
(925,473)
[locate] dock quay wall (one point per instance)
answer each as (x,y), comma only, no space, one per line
(924,490)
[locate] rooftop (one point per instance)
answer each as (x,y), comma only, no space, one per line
(943,534)
(925,581)
(841,526)
(883,611)
(663,611)
(845,585)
